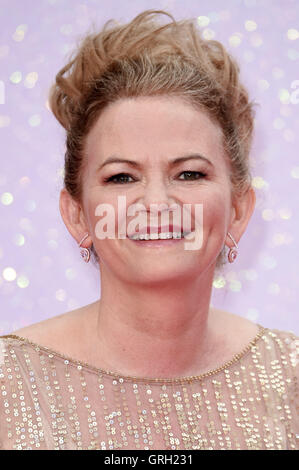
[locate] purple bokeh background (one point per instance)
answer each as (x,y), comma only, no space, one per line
(41,271)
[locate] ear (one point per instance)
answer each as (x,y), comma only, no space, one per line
(243,207)
(73,217)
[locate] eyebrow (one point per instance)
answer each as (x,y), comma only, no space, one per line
(176,161)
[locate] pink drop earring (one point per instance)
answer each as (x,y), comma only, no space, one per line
(233,252)
(85,252)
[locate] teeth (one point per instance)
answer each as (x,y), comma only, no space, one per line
(176,235)
(163,236)
(156,236)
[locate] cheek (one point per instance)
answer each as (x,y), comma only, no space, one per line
(214,209)
(95,210)
(217,211)
(215,203)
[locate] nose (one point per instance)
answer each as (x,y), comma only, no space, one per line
(160,205)
(155,197)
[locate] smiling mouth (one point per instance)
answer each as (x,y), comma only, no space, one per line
(158,236)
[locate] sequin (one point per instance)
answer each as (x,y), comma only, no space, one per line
(50,401)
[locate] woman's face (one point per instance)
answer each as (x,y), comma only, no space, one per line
(151,132)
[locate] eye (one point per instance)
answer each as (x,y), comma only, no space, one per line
(121,178)
(192,175)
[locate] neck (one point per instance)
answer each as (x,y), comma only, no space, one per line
(160,331)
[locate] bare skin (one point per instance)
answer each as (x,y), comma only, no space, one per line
(71,332)
(154,317)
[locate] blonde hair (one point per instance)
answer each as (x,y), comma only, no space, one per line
(147,58)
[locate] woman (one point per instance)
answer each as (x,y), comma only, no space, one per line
(157,119)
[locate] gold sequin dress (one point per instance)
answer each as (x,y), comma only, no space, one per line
(50,401)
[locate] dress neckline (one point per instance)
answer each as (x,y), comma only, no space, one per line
(81,364)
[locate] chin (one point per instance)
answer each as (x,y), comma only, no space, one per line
(157,273)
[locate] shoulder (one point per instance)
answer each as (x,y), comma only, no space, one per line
(275,354)
(286,344)
(275,344)
(46,329)
(279,352)
(235,330)
(61,332)
(284,340)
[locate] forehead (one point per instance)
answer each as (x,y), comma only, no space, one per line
(153,129)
